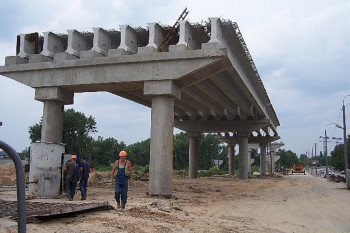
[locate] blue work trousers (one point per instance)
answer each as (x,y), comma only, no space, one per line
(83,187)
(121,191)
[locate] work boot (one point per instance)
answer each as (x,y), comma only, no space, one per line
(118,204)
(123,205)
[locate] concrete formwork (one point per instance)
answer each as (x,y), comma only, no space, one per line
(203,81)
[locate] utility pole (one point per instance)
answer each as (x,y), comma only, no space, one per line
(345,141)
(325,151)
(316,158)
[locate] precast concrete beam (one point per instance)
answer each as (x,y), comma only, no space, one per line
(211,126)
(193,154)
(156,36)
(130,40)
(53,44)
(29,44)
(105,40)
(78,42)
(216,34)
(190,38)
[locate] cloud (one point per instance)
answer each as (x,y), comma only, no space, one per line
(301,49)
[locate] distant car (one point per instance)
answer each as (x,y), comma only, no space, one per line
(343,172)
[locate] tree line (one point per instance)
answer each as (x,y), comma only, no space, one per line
(77,136)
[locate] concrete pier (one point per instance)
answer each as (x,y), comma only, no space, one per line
(193,154)
(263,159)
(243,155)
(231,159)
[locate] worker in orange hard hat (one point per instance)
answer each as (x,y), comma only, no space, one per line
(72,177)
(124,176)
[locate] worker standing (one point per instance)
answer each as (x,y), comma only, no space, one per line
(84,170)
(72,177)
(124,176)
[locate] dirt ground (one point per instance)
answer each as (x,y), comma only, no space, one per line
(291,203)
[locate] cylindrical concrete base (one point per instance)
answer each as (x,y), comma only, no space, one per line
(347,177)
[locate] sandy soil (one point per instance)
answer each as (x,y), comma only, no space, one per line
(292,203)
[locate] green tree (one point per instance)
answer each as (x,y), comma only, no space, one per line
(106,151)
(337,156)
(181,151)
(139,152)
(287,158)
(76,131)
(35,132)
(209,150)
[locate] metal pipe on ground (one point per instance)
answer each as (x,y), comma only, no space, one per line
(21,199)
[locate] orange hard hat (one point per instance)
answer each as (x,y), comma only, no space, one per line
(74,157)
(123,153)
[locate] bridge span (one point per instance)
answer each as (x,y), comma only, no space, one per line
(203,81)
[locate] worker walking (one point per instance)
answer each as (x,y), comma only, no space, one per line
(124,176)
(84,170)
(72,177)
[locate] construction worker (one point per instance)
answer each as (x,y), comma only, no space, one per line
(72,177)
(124,176)
(84,170)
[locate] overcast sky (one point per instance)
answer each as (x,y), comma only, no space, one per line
(301,49)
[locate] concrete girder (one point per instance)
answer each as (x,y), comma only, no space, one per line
(78,42)
(212,126)
(131,39)
(156,36)
(28,44)
(227,86)
(227,37)
(53,44)
(251,140)
(194,93)
(190,37)
(105,40)
(215,93)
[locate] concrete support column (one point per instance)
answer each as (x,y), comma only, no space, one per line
(263,159)
(161,160)
(54,99)
(193,154)
(45,162)
(231,159)
(273,153)
(243,155)
(249,161)
(162,123)
(52,127)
